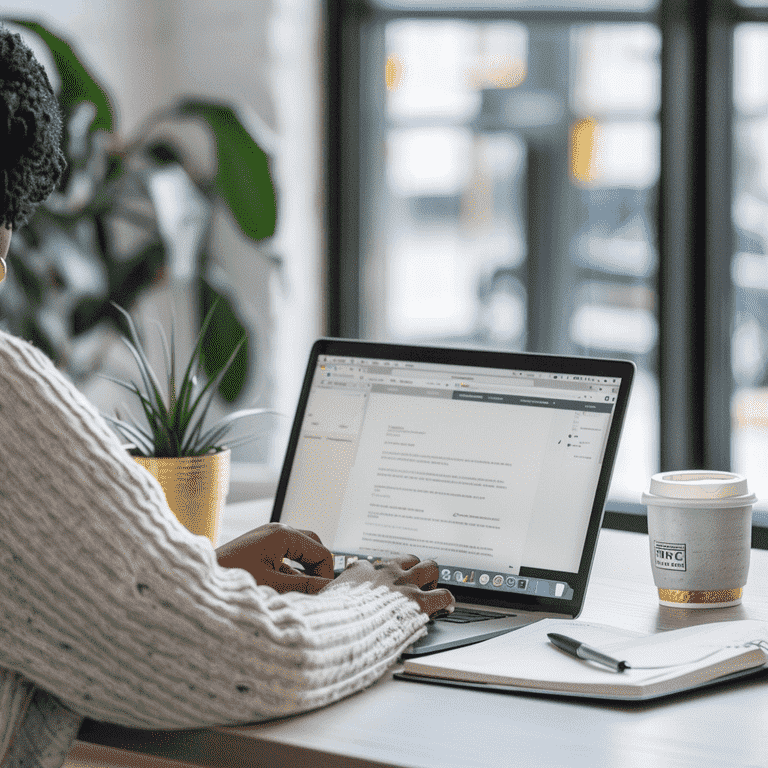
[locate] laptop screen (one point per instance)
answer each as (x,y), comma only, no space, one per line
(491,471)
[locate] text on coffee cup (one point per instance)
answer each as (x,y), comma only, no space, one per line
(669,556)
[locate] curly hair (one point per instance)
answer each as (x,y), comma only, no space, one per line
(31,160)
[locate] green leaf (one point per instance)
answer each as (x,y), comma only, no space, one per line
(212,384)
(187,383)
(129,279)
(129,433)
(77,84)
(143,432)
(30,282)
(151,383)
(168,370)
(130,387)
(172,432)
(243,177)
(223,335)
(87,312)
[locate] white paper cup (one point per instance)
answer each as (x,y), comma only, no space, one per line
(700,535)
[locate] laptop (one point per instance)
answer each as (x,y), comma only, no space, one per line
(494,464)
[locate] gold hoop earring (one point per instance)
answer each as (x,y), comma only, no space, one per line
(3,269)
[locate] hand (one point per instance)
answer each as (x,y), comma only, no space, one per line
(261,553)
(415,579)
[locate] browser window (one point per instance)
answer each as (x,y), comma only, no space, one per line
(486,471)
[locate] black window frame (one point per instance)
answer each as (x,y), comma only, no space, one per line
(695,231)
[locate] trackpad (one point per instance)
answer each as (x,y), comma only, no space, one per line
(443,635)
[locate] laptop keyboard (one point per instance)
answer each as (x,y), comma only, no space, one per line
(467,615)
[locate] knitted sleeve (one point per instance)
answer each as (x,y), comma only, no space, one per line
(112,606)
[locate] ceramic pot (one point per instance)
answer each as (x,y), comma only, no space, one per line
(195,488)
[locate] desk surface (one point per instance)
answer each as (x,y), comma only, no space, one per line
(400,723)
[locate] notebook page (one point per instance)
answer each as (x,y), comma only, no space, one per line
(526,657)
(691,645)
(526,654)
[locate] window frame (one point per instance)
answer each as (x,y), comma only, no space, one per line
(695,231)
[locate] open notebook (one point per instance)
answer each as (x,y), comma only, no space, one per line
(660,664)
(494,464)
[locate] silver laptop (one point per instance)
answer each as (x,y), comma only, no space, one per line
(496,465)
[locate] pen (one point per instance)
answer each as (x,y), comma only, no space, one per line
(583,651)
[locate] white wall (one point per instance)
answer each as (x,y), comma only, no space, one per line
(265,55)
(119,40)
(296,83)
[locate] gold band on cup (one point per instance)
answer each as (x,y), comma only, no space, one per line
(692,596)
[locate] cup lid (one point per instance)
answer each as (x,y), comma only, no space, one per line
(727,488)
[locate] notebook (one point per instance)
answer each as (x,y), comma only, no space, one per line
(658,665)
(494,464)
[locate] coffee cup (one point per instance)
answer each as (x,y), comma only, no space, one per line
(700,535)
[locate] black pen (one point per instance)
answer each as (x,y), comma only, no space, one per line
(583,651)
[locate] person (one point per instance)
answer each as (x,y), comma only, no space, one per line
(109,607)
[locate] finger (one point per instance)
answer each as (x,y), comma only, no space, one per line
(405,561)
(311,534)
(424,574)
(435,600)
(432,584)
(293,582)
(307,550)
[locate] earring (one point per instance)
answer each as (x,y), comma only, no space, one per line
(3,269)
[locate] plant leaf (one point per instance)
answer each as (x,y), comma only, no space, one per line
(190,389)
(168,369)
(136,426)
(145,404)
(243,176)
(132,387)
(221,338)
(227,422)
(151,383)
(198,345)
(129,433)
(211,385)
(185,392)
(77,83)
(137,273)
(172,378)
(87,312)
(31,283)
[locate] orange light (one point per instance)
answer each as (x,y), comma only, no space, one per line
(584,150)
(393,72)
(497,72)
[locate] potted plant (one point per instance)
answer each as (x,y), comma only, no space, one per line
(100,239)
(188,457)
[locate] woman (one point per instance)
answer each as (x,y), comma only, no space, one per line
(109,608)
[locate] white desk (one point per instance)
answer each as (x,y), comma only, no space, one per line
(399,723)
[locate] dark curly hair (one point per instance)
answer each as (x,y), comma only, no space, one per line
(31,160)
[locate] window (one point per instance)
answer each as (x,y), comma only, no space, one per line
(555,176)
(750,257)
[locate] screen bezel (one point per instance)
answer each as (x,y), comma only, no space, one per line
(528,361)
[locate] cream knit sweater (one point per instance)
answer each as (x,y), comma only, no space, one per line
(111,609)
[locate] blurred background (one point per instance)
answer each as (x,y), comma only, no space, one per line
(263,59)
(583,177)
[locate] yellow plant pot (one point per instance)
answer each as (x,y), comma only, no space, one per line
(195,488)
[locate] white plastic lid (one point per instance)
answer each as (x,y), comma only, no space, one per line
(700,487)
